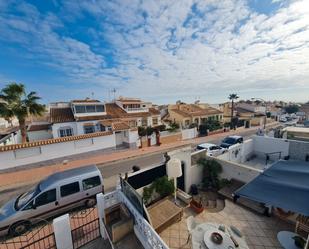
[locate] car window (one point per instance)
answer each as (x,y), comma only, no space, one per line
(45,198)
(212,148)
(29,206)
(69,189)
(91,182)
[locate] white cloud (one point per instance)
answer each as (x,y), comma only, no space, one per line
(173,48)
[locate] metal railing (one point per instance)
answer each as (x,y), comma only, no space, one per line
(39,237)
(85,226)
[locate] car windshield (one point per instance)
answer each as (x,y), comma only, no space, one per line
(228,140)
(24,198)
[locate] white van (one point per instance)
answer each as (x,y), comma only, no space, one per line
(55,195)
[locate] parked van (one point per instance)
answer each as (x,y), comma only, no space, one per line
(53,196)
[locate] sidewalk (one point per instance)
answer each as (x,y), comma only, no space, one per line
(28,176)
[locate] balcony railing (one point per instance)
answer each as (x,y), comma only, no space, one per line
(148,236)
(136,109)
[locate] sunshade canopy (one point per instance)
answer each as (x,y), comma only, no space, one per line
(285,184)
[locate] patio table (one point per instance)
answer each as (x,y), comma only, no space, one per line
(201,237)
(286,239)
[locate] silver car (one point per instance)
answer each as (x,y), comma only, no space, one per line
(55,195)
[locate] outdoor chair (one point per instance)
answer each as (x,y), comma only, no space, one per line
(302,225)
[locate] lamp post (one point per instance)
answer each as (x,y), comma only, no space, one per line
(265,110)
(173,171)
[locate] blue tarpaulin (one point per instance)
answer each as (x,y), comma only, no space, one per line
(285,184)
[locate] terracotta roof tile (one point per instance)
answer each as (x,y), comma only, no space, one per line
(85,101)
(154,111)
(38,127)
(192,110)
(98,117)
(119,126)
(53,141)
(61,115)
(116,112)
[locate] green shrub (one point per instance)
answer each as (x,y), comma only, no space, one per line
(211,171)
(141,131)
(161,185)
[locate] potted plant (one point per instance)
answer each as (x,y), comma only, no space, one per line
(197,206)
(299,241)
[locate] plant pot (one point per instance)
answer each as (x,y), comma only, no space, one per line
(197,207)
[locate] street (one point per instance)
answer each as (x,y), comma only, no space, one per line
(110,171)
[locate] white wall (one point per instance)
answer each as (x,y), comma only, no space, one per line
(262,145)
(184,155)
(39,135)
(231,170)
(9,159)
(57,126)
(189,133)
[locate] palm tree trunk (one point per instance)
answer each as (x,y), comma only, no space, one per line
(232,114)
(23,130)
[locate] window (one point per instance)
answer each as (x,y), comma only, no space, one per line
(100,108)
(89,129)
(45,198)
(80,109)
(155,121)
(144,122)
(100,127)
(65,132)
(91,182)
(69,189)
(132,123)
(90,108)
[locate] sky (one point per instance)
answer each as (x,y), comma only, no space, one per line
(160,51)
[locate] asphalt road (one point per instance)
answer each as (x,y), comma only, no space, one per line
(111,171)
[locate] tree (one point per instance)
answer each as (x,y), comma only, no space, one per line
(16,103)
(291,109)
(233,97)
(211,171)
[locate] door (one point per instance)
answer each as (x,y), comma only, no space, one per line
(44,205)
(119,138)
(70,196)
(181,179)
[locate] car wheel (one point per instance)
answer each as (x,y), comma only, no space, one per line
(91,202)
(19,228)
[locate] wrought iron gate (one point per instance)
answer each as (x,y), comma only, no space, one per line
(85,226)
(40,237)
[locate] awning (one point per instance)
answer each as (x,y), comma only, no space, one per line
(285,184)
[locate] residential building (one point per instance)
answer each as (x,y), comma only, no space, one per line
(88,116)
(305,110)
(186,114)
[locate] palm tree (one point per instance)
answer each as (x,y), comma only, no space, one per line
(16,103)
(232,97)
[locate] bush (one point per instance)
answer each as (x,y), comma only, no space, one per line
(212,125)
(173,127)
(141,131)
(161,127)
(161,185)
(193,125)
(149,131)
(211,171)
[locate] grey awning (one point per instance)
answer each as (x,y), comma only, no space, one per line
(285,184)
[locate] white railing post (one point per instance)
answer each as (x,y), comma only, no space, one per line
(62,230)
(100,207)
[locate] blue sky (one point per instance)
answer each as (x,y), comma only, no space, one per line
(160,51)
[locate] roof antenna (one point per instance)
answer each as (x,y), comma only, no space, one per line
(114,91)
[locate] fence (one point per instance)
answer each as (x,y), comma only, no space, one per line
(85,226)
(42,236)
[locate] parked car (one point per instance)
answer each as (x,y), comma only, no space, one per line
(212,149)
(53,196)
(231,140)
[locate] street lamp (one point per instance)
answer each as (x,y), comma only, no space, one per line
(265,110)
